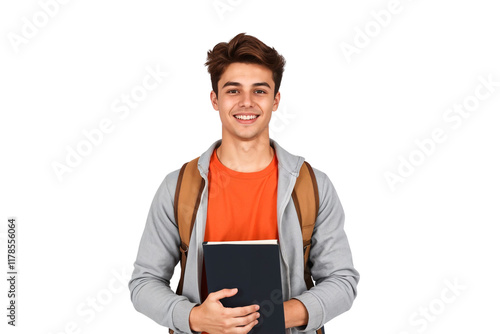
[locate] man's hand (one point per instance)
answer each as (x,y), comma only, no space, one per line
(212,317)
(295,313)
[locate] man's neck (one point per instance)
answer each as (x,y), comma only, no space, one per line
(245,156)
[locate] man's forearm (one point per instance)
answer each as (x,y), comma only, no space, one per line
(295,313)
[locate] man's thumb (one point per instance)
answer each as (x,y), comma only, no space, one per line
(225,293)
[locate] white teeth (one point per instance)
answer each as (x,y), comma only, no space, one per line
(245,117)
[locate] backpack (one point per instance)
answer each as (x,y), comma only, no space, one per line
(187,198)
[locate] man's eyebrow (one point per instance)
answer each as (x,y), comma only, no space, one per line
(233,83)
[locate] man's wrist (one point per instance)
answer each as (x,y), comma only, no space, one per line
(193,319)
(296,313)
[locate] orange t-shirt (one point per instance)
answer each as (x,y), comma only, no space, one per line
(241,206)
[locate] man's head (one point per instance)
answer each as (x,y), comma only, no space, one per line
(244,49)
(246,75)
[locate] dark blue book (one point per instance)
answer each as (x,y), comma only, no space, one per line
(254,268)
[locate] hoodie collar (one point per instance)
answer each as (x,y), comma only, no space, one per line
(289,162)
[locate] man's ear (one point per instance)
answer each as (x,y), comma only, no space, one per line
(276,101)
(213,99)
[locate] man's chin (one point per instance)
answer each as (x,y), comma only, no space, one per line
(248,137)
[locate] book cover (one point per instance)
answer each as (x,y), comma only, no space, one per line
(254,268)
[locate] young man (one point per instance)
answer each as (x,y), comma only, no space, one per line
(249,180)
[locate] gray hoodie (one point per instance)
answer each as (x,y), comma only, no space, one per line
(332,267)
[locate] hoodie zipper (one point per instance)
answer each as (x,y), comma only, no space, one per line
(280,222)
(198,232)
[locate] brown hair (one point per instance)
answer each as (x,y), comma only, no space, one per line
(244,49)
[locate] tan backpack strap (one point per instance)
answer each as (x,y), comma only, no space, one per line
(187,198)
(306,199)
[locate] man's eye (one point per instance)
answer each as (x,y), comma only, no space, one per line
(232,91)
(260,91)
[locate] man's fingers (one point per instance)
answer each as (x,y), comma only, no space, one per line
(248,327)
(244,310)
(243,321)
(223,293)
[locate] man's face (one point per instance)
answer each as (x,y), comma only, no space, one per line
(245,101)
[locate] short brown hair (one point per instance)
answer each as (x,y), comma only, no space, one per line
(244,49)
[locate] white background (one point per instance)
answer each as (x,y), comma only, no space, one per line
(353,117)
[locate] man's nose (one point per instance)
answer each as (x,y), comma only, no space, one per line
(246,100)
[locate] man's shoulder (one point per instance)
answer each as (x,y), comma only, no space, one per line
(170,180)
(325,184)
(172,176)
(319,174)
(169,183)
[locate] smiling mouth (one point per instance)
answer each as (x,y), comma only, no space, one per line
(246,117)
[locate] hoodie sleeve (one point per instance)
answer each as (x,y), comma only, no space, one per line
(331,261)
(157,257)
